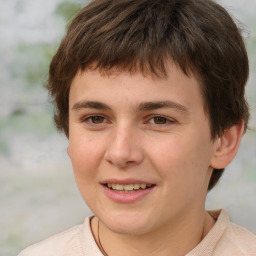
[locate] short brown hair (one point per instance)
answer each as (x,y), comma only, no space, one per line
(140,35)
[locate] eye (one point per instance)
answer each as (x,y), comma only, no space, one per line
(95,119)
(160,120)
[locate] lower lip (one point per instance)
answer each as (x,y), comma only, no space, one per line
(127,197)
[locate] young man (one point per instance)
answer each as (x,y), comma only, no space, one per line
(150,94)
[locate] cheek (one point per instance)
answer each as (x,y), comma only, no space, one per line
(86,155)
(85,160)
(182,163)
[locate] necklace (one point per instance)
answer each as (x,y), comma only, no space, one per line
(100,245)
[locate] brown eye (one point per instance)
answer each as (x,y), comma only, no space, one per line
(160,120)
(97,119)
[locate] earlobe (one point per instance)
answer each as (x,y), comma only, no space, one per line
(227,146)
(69,151)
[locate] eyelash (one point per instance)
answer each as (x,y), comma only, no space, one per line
(166,121)
(88,119)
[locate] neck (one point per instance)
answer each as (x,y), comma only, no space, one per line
(171,240)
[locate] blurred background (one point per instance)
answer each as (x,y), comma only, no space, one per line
(38,195)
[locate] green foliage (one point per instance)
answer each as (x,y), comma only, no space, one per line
(250,174)
(32,63)
(4,148)
(67,10)
(250,44)
(23,122)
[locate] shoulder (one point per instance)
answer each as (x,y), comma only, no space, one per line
(62,244)
(226,239)
(235,240)
(240,238)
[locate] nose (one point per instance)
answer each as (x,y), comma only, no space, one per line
(124,148)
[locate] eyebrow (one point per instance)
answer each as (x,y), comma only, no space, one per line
(147,106)
(144,106)
(90,104)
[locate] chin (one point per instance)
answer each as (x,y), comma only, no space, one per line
(126,224)
(130,230)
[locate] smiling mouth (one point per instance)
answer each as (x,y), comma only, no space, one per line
(127,188)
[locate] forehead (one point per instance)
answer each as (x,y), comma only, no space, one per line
(170,70)
(116,87)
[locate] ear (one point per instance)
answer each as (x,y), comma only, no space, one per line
(227,146)
(69,151)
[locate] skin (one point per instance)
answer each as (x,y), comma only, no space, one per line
(123,138)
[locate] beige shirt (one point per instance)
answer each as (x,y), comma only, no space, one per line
(224,239)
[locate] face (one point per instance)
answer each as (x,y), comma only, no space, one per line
(140,147)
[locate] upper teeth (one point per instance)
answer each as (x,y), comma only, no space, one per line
(127,187)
